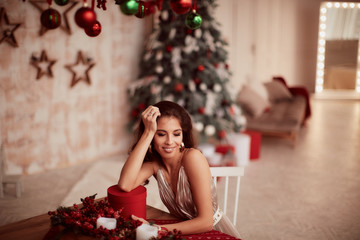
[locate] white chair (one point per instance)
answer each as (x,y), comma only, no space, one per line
(226,173)
(8,179)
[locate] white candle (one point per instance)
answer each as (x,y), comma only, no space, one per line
(109,223)
(146,231)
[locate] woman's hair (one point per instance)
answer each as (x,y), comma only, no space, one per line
(171,109)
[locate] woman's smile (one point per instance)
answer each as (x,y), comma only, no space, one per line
(168,136)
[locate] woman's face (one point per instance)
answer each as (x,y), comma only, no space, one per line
(168,137)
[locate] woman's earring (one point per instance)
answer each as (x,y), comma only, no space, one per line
(150,150)
(182,147)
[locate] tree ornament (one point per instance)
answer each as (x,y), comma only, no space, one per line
(64,11)
(7,29)
(61,2)
(145,9)
(180,6)
(50,18)
(134,113)
(210,130)
(201,68)
(179,87)
(169,48)
(197,81)
(141,106)
(201,110)
(141,12)
(193,20)
(129,7)
(85,17)
(221,134)
(94,30)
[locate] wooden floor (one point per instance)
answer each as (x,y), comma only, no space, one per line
(308,192)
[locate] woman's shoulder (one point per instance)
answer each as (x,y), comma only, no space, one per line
(193,156)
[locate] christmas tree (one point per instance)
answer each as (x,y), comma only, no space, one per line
(188,67)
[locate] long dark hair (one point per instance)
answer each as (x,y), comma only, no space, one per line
(170,109)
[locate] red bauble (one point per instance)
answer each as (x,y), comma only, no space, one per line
(141,106)
(169,48)
(50,18)
(134,113)
(179,87)
(201,68)
(180,6)
(201,110)
(222,134)
(197,81)
(85,17)
(94,30)
(145,9)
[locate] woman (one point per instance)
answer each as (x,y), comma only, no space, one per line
(165,149)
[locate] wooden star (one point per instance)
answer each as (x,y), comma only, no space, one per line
(43,5)
(85,75)
(39,64)
(8,29)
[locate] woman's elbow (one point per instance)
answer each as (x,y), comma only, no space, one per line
(208,225)
(124,187)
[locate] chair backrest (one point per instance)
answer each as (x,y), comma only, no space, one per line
(226,173)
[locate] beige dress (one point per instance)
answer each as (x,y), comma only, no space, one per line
(182,205)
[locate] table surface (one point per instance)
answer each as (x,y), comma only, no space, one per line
(35,228)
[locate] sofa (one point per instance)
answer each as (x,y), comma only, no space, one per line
(275,109)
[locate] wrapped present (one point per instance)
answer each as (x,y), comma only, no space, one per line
(132,203)
(225,148)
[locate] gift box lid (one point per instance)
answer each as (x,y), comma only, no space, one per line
(137,194)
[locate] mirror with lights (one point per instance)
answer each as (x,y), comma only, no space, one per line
(338,59)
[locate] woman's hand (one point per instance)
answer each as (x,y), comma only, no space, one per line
(149,117)
(139,219)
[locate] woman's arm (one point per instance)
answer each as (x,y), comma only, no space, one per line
(134,171)
(199,176)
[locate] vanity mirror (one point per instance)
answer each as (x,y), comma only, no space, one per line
(338,59)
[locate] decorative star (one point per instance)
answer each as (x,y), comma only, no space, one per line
(7,29)
(85,63)
(40,63)
(43,5)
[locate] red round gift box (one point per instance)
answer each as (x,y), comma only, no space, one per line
(131,203)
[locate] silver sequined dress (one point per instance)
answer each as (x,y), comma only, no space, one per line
(182,205)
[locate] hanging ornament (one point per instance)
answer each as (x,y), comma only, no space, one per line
(94,30)
(129,7)
(180,6)
(61,2)
(141,12)
(222,134)
(201,110)
(7,29)
(50,18)
(145,9)
(193,20)
(179,87)
(85,17)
